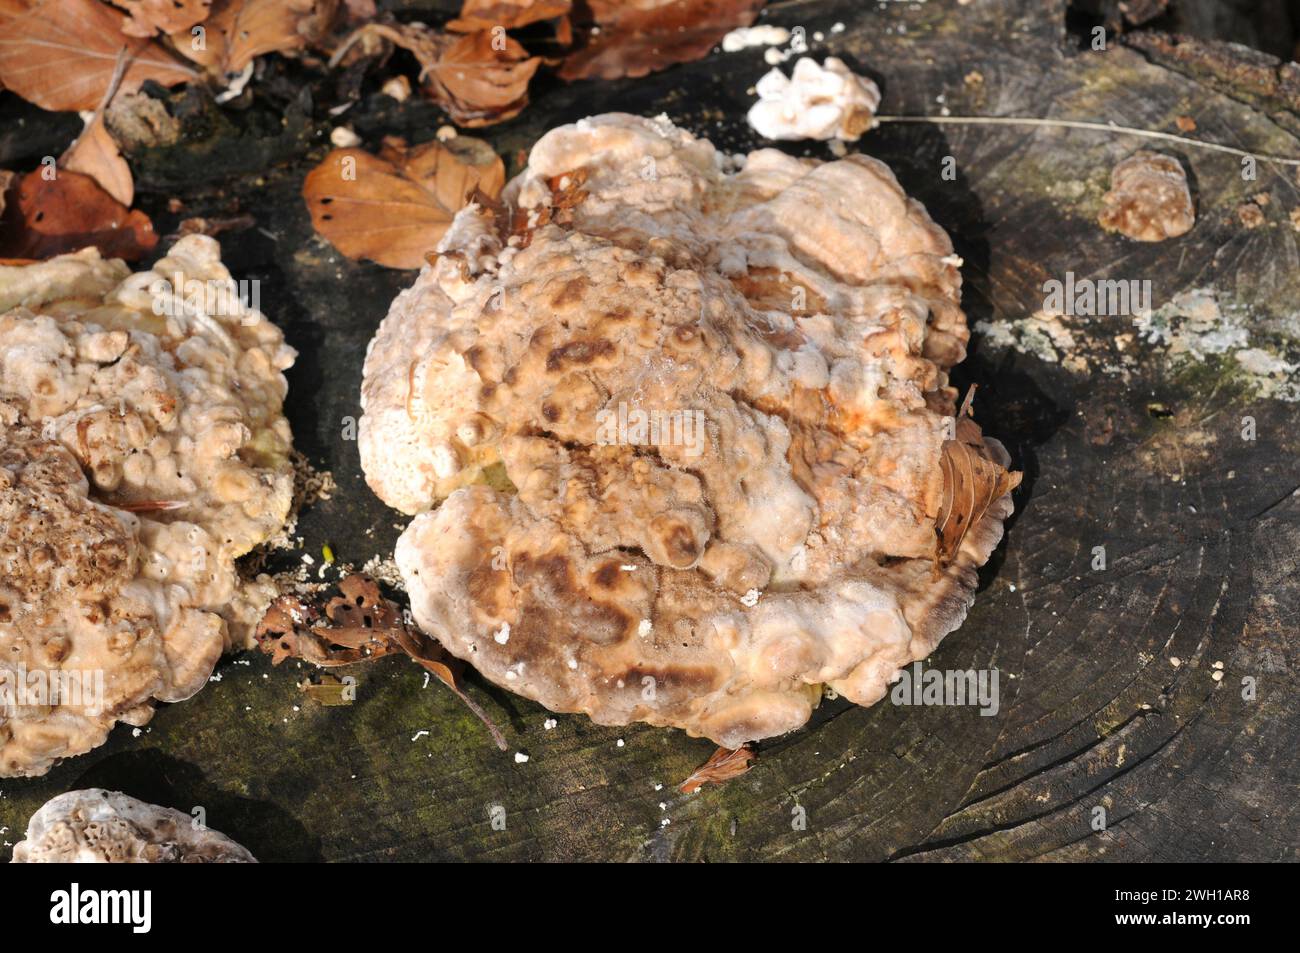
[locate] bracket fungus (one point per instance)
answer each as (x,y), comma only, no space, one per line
(142,449)
(94,826)
(1148,199)
(815,102)
(681,438)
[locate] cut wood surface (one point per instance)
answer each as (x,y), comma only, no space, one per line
(1123,688)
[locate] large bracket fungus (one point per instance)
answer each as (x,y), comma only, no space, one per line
(681,438)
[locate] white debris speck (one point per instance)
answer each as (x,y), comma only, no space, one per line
(503,635)
(419,734)
(549,723)
(214,677)
(659,787)
(1217,665)
(573,663)
(344,138)
(426,680)
(750,598)
(306,557)
(665,822)
(663,805)
(619,743)
(511,675)
(644,627)
(627,568)
(1217,676)
(747,36)
(837,28)
(136,732)
(1175,661)
(520,757)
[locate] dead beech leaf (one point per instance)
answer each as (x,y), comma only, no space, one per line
(723,765)
(393,208)
(640,36)
(479,84)
(96,154)
(61,55)
(48,217)
(478,15)
(148,17)
(239,31)
(972,480)
(14,8)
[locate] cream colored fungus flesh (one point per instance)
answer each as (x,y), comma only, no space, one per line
(142,450)
(806,313)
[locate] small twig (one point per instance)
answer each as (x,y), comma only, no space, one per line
(1093,126)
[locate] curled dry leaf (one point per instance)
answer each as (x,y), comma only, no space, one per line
(96,154)
(48,217)
(358,626)
(239,31)
(972,480)
(479,84)
(162,16)
(478,15)
(393,208)
(640,36)
(61,55)
(723,765)
(478,81)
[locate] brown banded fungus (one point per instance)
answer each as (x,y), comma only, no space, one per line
(681,438)
(1148,199)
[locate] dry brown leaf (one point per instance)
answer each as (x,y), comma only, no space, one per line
(723,765)
(61,54)
(14,8)
(479,84)
(393,208)
(96,154)
(478,15)
(467,75)
(148,17)
(640,36)
(48,217)
(972,480)
(239,31)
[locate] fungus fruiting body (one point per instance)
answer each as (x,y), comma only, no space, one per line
(94,826)
(685,433)
(142,449)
